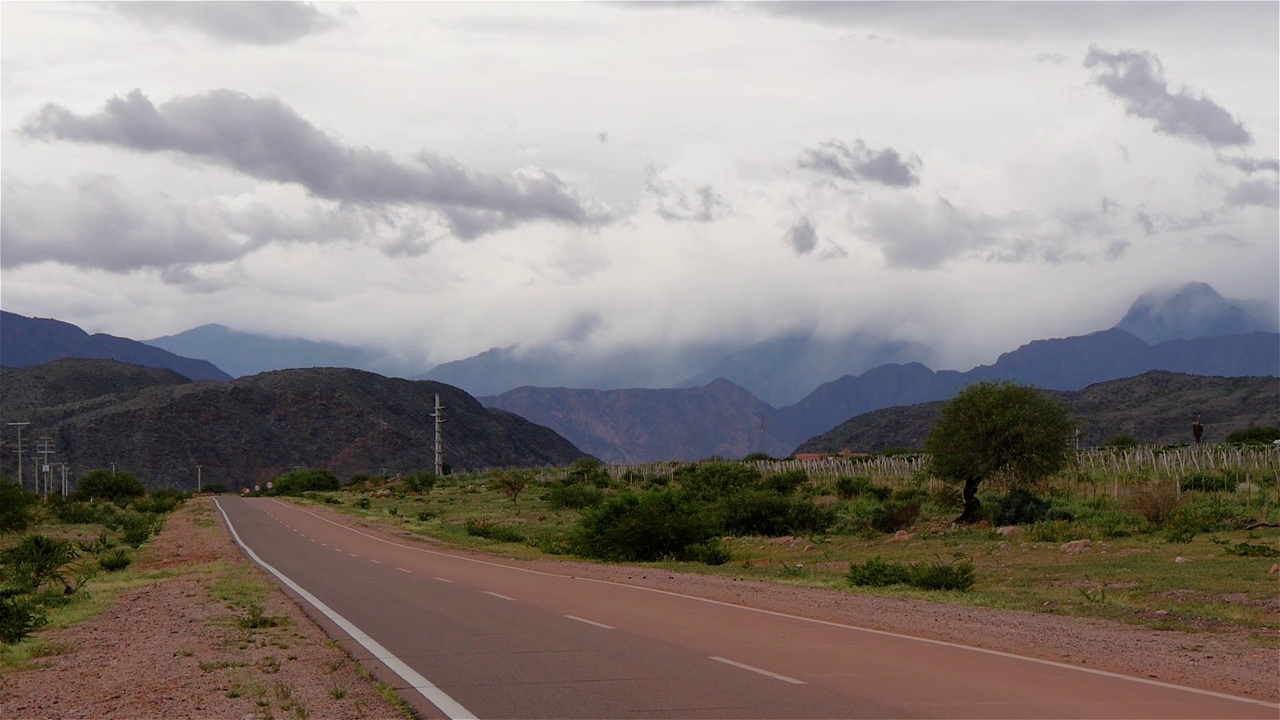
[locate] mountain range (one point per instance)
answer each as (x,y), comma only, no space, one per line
(160,425)
(1155,407)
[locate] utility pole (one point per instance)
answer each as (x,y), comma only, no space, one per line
(46,449)
(198,478)
(20,425)
(439,418)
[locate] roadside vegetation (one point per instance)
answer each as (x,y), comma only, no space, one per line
(1168,537)
(62,558)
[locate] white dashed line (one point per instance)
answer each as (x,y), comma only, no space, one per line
(353,555)
(591,622)
(375,561)
(783,678)
(498,595)
(443,579)
(404,571)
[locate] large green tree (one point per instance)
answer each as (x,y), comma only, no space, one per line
(999,429)
(102,484)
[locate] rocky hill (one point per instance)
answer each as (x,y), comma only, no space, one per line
(28,341)
(160,426)
(1155,407)
(639,426)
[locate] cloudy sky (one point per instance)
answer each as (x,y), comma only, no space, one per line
(438,179)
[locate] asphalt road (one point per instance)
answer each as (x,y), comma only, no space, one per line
(462,637)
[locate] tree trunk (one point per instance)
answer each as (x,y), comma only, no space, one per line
(972,512)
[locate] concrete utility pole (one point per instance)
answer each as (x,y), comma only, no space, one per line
(20,425)
(46,449)
(198,477)
(439,418)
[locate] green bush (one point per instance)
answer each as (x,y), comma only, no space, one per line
(590,471)
(753,511)
(301,481)
(116,487)
(936,575)
(787,482)
(709,481)
(642,527)
(425,515)
(138,527)
(17,506)
(848,488)
(1019,507)
(363,503)
(878,572)
(899,512)
(114,560)
(711,552)
(421,482)
(162,501)
(1255,435)
(1252,550)
(1208,482)
(18,618)
(36,560)
(1121,442)
(575,496)
(1113,523)
(492,531)
(1054,531)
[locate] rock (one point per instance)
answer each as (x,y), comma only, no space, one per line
(1009,531)
(1181,559)
(1075,547)
(1275,569)
(1002,545)
(807,548)
(902,535)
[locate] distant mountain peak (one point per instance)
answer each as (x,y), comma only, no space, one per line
(1190,311)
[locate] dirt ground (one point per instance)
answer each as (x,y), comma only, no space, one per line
(171,649)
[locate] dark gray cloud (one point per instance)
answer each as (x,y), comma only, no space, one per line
(1252,165)
(252,23)
(802,237)
(96,222)
(858,162)
(1137,80)
(677,203)
(266,139)
(1262,192)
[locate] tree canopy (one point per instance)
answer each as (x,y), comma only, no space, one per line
(999,429)
(101,484)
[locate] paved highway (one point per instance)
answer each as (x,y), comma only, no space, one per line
(462,637)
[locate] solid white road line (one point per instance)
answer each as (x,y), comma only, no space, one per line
(744,666)
(433,694)
(591,622)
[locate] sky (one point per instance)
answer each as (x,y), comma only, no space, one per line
(438,179)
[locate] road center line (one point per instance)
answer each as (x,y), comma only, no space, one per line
(375,561)
(404,571)
(442,579)
(774,675)
(498,595)
(591,622)
(434,695)
(353,555)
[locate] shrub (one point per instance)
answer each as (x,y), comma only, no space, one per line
(1122,441)
(16,506)
(138,527)
(711,552)
(1155,502)
(117,559)
(938,575)
(785,483)
(18,617)
(36,560)
(590,471)
(1252,550)
(491,531)
(116,487)
(1054,531)
(76,513)
(1059,514)
(1208,482)
(877,572)
(164,500)
(421,481)
(899,512)
(363,503)
(425,515)
(712,480)
(575,496)
(640,528)
(1113,523)
(760,512)
(1019,507)
(1254,435)
(301,481)
(848,488)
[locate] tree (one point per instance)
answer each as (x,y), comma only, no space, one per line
(100,484)
(16,506)
(999,429)
(513,482)
(1254,435)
